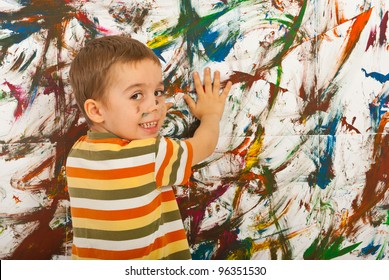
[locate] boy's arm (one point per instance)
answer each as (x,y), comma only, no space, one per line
(209,110)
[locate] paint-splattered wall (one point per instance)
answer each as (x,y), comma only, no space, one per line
(301,168)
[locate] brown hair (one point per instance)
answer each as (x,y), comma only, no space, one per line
(89,69)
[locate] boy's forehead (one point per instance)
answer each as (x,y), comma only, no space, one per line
(120,69)
(137,65)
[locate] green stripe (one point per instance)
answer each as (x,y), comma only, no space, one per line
(112,194)
(157,143)
(108,154)
(101,135)
(176,164)
(171,216)
(180,255)
(127,234)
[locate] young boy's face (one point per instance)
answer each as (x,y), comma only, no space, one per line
(134,106)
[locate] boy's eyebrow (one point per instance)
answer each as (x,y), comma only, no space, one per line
(142,84)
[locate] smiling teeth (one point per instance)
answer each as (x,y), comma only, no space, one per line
(148,125)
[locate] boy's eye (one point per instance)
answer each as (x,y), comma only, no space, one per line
(136,96)
(159,93)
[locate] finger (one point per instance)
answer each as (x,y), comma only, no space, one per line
(191,103)
(226,89)
(216,82)
(207,80)
(197,83)
(169,105)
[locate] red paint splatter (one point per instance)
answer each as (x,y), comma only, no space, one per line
(382,36)
(226,238)
(349,127)
(16,198)
(383,27)
(20,96)
(372,38)
(82,17)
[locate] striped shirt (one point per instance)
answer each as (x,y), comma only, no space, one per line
(122,203)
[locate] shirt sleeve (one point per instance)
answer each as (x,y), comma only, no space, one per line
(173,163)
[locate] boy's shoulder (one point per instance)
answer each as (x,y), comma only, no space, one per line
(102,147)
(104,142)
(109,141)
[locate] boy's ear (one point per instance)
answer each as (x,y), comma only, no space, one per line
(93,110)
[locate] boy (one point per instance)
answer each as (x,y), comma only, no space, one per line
(120,174)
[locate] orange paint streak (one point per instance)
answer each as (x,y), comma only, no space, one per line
(270,242)
(376,185)
(354,33)
(381,129)
(242,148)
(339,15)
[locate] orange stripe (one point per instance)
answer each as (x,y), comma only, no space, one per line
(168,196)
(119,173)
(188,167)
(130,254)
(117,215)
(165,163)
(117,141)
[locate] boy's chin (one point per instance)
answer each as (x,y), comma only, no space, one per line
(145,136)
(150,132)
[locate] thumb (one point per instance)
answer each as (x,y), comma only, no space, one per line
(191,103)
(169,105)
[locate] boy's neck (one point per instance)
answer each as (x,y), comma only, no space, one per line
(97,128)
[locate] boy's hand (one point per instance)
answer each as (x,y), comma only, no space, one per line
(210,101)
(209,110)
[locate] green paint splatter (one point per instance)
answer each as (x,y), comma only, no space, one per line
(381,253)
(291,34)
(293,26)
(387,218)
(325,249)
(3,95)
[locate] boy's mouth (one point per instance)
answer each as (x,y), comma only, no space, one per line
(149,124)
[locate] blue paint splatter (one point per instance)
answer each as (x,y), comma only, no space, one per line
(370,249)
(217,52)
(204,251)
(20,31)
(377,76)
(377,109)
(28,62)
(325,172)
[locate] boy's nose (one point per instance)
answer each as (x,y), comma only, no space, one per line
(153,104)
